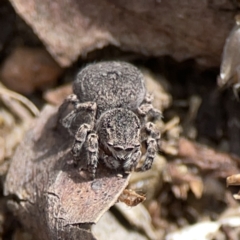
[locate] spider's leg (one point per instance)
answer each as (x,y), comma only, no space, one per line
(110,161)
(152,146)
(92,153)
(148,98)
(147,109)
(80,138)
(70,99)
(67,121)
(86,126)
(132,161)
(89,107)
(151,153)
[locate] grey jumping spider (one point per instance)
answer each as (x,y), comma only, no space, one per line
(108,120)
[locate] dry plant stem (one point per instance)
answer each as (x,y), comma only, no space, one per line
(20,98)
(42,183)
(171,124)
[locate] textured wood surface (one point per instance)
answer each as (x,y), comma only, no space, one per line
(50,195)
(183,29)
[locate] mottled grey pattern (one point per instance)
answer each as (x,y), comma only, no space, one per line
(111,109)
(119,128)
(110,85)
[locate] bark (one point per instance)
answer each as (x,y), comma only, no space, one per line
(51,197)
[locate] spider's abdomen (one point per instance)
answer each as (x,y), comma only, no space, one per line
(110,85)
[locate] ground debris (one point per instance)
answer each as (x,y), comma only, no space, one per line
(234,180)
(109,227)
(131,198)
(207,159)
(182,180)
(226,227)
(139,218)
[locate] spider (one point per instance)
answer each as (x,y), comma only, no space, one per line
(109,117)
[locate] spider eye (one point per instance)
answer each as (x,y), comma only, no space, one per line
(118,148)
(129,149)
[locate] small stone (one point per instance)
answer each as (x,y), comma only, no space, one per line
(27,69)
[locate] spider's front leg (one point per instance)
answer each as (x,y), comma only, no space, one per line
(152,146)
(88,110)
(92,153)
(80,138)
(147,109)
(128,164)
(110,161)
(132,161)
(86,120)
(70,99)
(91,140)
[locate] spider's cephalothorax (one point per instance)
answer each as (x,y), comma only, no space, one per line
(111,102)
(120,136)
